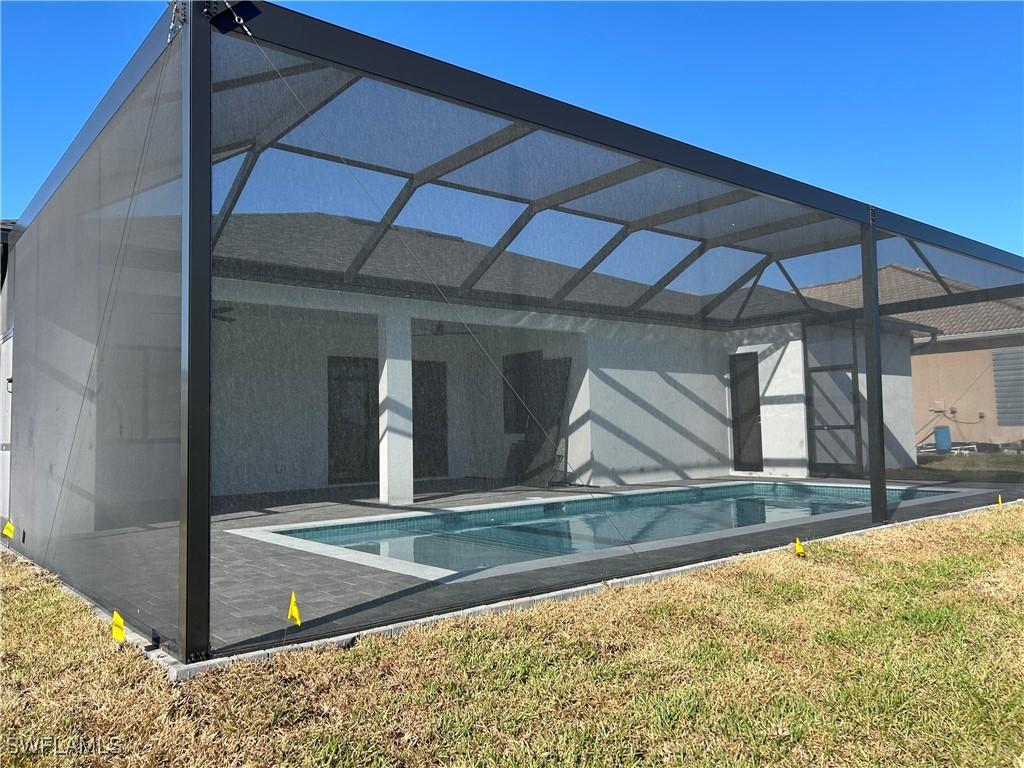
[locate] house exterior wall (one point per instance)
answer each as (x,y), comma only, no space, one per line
(477,444)
(659,403)
(269,414)
(897,401)
(780,351)
(645,403)
(268,417)
(960,379)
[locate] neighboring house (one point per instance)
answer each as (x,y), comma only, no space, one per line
(968,361)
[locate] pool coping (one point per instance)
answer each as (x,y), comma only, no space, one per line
(273,534)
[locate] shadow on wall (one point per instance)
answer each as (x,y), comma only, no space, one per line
(658,404)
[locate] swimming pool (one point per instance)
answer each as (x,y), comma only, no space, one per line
(441,543)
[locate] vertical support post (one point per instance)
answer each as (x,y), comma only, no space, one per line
(194,533)
(873,371)
(394,333)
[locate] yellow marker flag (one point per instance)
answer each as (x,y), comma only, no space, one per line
(9,530)
(293,611)
(999,501)
(798,548)
(117,627)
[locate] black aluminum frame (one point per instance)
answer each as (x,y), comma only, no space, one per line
(196,321)
(821,469)
(873,372)
(278,26)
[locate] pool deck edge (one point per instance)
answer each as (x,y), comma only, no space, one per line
(178,671)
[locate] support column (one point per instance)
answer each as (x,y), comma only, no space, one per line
(873,372)
(394,336)
(194,531)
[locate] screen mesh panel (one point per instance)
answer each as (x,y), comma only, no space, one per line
(95,470)
(646,195)
(728,221)
(631,268)
(537,165)
(963,273)
(795,238)
(546,254)
(437,328)
(242,74)
(382,124)
(954,381)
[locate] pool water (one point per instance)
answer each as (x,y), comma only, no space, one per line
(486,538)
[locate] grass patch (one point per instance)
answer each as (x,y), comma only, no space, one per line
(903,646)
(983,467)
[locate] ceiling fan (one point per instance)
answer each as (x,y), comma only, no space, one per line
(443,330)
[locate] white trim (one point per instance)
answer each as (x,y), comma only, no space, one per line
(940,338)
(406,567)
(279,534)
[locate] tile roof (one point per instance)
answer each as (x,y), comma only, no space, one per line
(899,283)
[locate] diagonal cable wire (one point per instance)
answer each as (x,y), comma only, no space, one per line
(398,233)
(411,252)
(115,278)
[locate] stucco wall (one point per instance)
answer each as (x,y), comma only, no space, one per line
(962,380)
(645,403)
(269,394)
(659,403)
(897,402)
(780,371)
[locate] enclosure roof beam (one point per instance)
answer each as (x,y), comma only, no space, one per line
(593,263)
(723,296)
(691,209)
(464,156)
(553,200)
(750,293)
(935,273)
(267,76)
(228,206)
(1002,293)
(254,152)
(264,143)
(670,276)
(283,274)
(792,284)
(605,250)
(773,228)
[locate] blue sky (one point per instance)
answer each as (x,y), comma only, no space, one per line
(915,107)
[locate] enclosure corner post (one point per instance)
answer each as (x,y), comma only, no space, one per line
(873,371)
(194,533)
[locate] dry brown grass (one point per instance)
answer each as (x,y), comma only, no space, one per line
(901,647)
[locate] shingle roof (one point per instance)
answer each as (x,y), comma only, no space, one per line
(329,243)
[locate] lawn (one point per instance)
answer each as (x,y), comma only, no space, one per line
(902,647)
(980,467)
